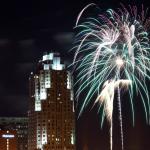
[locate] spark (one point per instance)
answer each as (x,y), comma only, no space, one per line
(119,62)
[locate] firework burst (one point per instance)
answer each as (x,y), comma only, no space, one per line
(112,52)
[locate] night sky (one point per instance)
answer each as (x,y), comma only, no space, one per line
(30,28)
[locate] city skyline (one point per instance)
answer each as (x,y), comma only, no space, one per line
(28,29)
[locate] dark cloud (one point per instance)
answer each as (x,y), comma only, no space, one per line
(15,105)
(26,42)
(26,49)
(24,68)
(4,42)
(65,38)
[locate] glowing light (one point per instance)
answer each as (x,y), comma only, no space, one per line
(38,105)
(56,64)
(119,62)
(47,79)
(43,94)
(69,80)
(46,66)
(48,56)
(72,139)
(8,136)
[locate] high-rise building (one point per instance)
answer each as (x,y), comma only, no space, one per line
(51,110)
(18,124)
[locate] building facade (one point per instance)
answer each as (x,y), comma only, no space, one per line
(8,140)
(18,124)
(51,106)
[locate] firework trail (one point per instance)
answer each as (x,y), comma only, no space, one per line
(107,96)
(112,52)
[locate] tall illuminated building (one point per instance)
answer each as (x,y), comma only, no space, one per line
(51,108)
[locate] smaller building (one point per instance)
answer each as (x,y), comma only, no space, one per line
(8,140)
(20,125)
